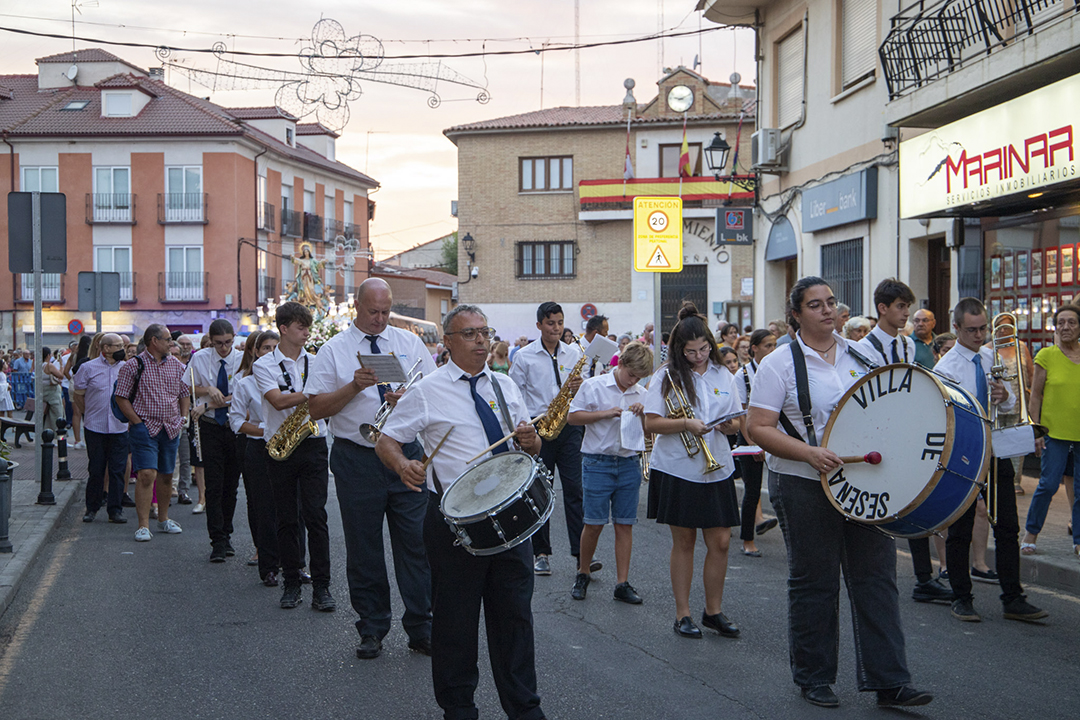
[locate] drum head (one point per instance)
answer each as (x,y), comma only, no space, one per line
(484,487)
(902,412)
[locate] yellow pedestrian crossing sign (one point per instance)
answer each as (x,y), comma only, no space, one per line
(658,234)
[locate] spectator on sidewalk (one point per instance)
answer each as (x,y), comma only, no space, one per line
(23,363)
(106,437)
(51,402)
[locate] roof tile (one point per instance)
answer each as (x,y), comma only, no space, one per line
(88,55)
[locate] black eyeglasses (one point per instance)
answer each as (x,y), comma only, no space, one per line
(469,334)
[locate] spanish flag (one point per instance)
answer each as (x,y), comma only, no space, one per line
(684,156)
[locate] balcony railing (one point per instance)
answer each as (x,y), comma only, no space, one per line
(110,208)
(350,230)
(292,223)
(697,192)
(182,286)
(181,208)
(313,227)
(266,217)
(52,288)
(332,228)
(929,40)
(268,288)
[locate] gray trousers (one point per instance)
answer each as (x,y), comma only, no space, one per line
(183,463)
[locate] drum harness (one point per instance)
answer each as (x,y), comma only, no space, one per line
(878,346)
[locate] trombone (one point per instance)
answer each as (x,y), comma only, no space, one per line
(691,442)
(373,431)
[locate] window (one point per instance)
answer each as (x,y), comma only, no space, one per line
(858,51)
(112,194)
(183,194)
(184,273)
(548,174)
(789,73)
(669,159)
(76,105)
(289,137)
(40,179)
(116,259)
(546,259)
(842,268)
(117,104)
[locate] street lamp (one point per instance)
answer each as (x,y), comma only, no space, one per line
(469,244)
(716,157)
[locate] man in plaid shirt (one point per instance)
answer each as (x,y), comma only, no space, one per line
(156,414)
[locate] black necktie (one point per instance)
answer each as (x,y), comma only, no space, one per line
(487,415)
(592,368)
(555,364)
(221,415)
(895,356)
(376,351)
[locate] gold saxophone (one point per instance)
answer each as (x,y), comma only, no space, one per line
(295,430)
(554,421)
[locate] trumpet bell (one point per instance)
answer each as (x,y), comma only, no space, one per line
(370,433)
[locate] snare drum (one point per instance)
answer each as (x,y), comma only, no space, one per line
(499,503)
(934,445)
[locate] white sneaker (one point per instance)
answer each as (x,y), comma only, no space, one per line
(169,527)
(79,445)
(143,535)
(198,509)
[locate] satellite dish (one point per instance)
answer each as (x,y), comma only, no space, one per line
(72,72)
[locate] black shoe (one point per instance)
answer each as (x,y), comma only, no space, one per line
(217,554)
(89,516)
(820,695)
(183,499)
(625,592)
(118,518)
(321,599)
(420,645)
(905,696)
(126,501)
(720,624)
(931,591)
(765,527)
(989,576)
(270,579)
(596,566)
(370,647)
(687,628)
(581,586)
(965,610)
(229,549)
(541,565)
(254,561)
(291,597)
(1021,609)
(305,577)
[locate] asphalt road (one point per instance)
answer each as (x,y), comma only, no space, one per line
(108,628)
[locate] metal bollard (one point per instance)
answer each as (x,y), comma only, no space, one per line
(46,497)
(5,505)
(62,472)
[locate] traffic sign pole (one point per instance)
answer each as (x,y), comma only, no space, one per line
(39,411)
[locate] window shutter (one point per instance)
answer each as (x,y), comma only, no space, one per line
(859,42)
(789,57)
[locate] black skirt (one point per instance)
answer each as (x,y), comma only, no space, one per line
(674,501)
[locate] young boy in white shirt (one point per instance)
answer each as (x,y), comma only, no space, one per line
(611,470)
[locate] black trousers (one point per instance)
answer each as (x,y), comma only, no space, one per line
(221,471)
(564,452)
(105,452)
(1006,541)
(241,462)
(460,583)
(920,559)
(752,470)
(299,484)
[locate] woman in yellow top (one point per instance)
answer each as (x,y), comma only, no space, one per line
(1055,403)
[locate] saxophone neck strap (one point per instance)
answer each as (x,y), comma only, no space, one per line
(288,378)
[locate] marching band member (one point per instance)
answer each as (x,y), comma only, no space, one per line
(596,325)
(461,395)
(299,482)
(682,494)
(540,369)
(820,541)
(367,490)
(762,342)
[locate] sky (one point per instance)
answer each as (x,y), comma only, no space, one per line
(392,134)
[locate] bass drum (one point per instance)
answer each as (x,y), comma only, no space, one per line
(934,445)
(499,503)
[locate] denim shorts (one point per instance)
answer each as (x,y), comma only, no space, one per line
(609,488)
(152,453)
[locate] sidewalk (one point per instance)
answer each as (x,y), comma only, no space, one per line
(31,524)
(1055,565)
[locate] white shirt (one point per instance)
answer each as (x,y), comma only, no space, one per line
(957,366)
(604,437)
(269,377)
(442,400)
(905,347)
(774,389)
(205,367)
(750,369)
(336,362)
(246,404)
(535,376)
(716,396)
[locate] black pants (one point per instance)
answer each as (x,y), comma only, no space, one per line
(565,452)
(1006,541)
(221,471)
(299,484)
(460,583)
(105,452)
(752,471)
(920,559)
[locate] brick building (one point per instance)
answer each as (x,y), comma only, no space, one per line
(543,196)
(197,206)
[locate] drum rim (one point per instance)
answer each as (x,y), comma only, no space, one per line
(476,517)
(943,462)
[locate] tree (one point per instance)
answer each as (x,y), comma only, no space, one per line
(450,253)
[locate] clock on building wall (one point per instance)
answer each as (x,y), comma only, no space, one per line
(680,98)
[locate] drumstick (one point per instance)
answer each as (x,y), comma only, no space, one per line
(429,458)
(497,443)
(871,457)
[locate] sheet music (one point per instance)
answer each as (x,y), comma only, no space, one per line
(601,348)
(631,434)
(386,366)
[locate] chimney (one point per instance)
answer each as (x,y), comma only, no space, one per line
(157,73)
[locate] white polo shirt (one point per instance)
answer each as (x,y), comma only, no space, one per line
(534,373)
(745,375)
(205,367)
(905,347)
(716,396)
(269,377)
(604,437)
(336,362)
(246,404)
(958,366)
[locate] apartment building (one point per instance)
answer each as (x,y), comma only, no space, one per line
(200,208)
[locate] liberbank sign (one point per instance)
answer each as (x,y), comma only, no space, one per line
(1024,145)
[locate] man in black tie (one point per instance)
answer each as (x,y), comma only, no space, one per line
(462,396)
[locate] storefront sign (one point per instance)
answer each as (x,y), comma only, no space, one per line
(736,226)
(1021,146)
(844,200)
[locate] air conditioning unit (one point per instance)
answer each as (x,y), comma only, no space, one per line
(765,149)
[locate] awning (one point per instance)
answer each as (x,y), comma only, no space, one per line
(782,243)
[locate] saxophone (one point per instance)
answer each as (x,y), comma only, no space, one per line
(554,421)
(295,430)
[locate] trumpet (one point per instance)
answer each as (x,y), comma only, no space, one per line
(693,443)
(373,431)
(644,457)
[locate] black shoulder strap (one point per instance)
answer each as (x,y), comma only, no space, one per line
(138,377)
(504,410)
(859,356)
(802,388)
(877,344)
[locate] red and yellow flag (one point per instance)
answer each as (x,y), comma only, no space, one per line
(684,155)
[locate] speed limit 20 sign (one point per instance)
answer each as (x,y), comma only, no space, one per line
(658,234)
